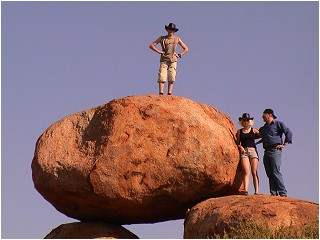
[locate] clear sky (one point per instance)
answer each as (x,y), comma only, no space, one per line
(59,58)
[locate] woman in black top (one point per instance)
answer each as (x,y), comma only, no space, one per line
(249,156)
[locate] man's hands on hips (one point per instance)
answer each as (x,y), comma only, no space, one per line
(280,146)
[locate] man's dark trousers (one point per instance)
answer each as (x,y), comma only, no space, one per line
(272,163)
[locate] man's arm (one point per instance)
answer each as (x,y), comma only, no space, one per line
(153,46)
(259,134)
(288,134)
(184,46)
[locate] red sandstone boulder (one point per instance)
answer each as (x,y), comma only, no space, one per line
(214,216)
(137,159)
(89,230)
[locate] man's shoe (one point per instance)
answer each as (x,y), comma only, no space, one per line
(283,195)
(161,93)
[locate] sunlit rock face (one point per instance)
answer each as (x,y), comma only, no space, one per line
(138,159)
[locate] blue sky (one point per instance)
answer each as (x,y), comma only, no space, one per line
(63,57)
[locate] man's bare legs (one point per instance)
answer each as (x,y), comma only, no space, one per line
(161,88)
(170,86)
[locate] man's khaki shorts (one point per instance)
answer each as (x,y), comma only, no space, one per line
(167,70)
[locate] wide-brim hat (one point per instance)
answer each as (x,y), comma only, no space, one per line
(171,26)
(270,111)
(246,116)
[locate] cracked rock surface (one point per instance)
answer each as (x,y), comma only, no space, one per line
(138,159)
(218,216)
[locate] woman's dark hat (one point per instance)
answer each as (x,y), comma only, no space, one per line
(245,116)
(270,111)
(171,26)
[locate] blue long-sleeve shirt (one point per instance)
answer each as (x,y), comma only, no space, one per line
(272,134)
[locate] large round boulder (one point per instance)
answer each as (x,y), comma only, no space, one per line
(137,159)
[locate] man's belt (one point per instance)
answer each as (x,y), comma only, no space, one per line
(270,147)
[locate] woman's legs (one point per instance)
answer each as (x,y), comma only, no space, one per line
(254,170)
(246,169)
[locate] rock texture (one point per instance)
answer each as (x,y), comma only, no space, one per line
(137,159)
(215,215)
(89,230)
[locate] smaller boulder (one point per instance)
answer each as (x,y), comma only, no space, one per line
(89,230)
(217,216)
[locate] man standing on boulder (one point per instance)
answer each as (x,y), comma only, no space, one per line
(169,57)
(271,134)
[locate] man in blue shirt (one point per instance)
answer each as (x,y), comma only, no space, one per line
(273,144)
